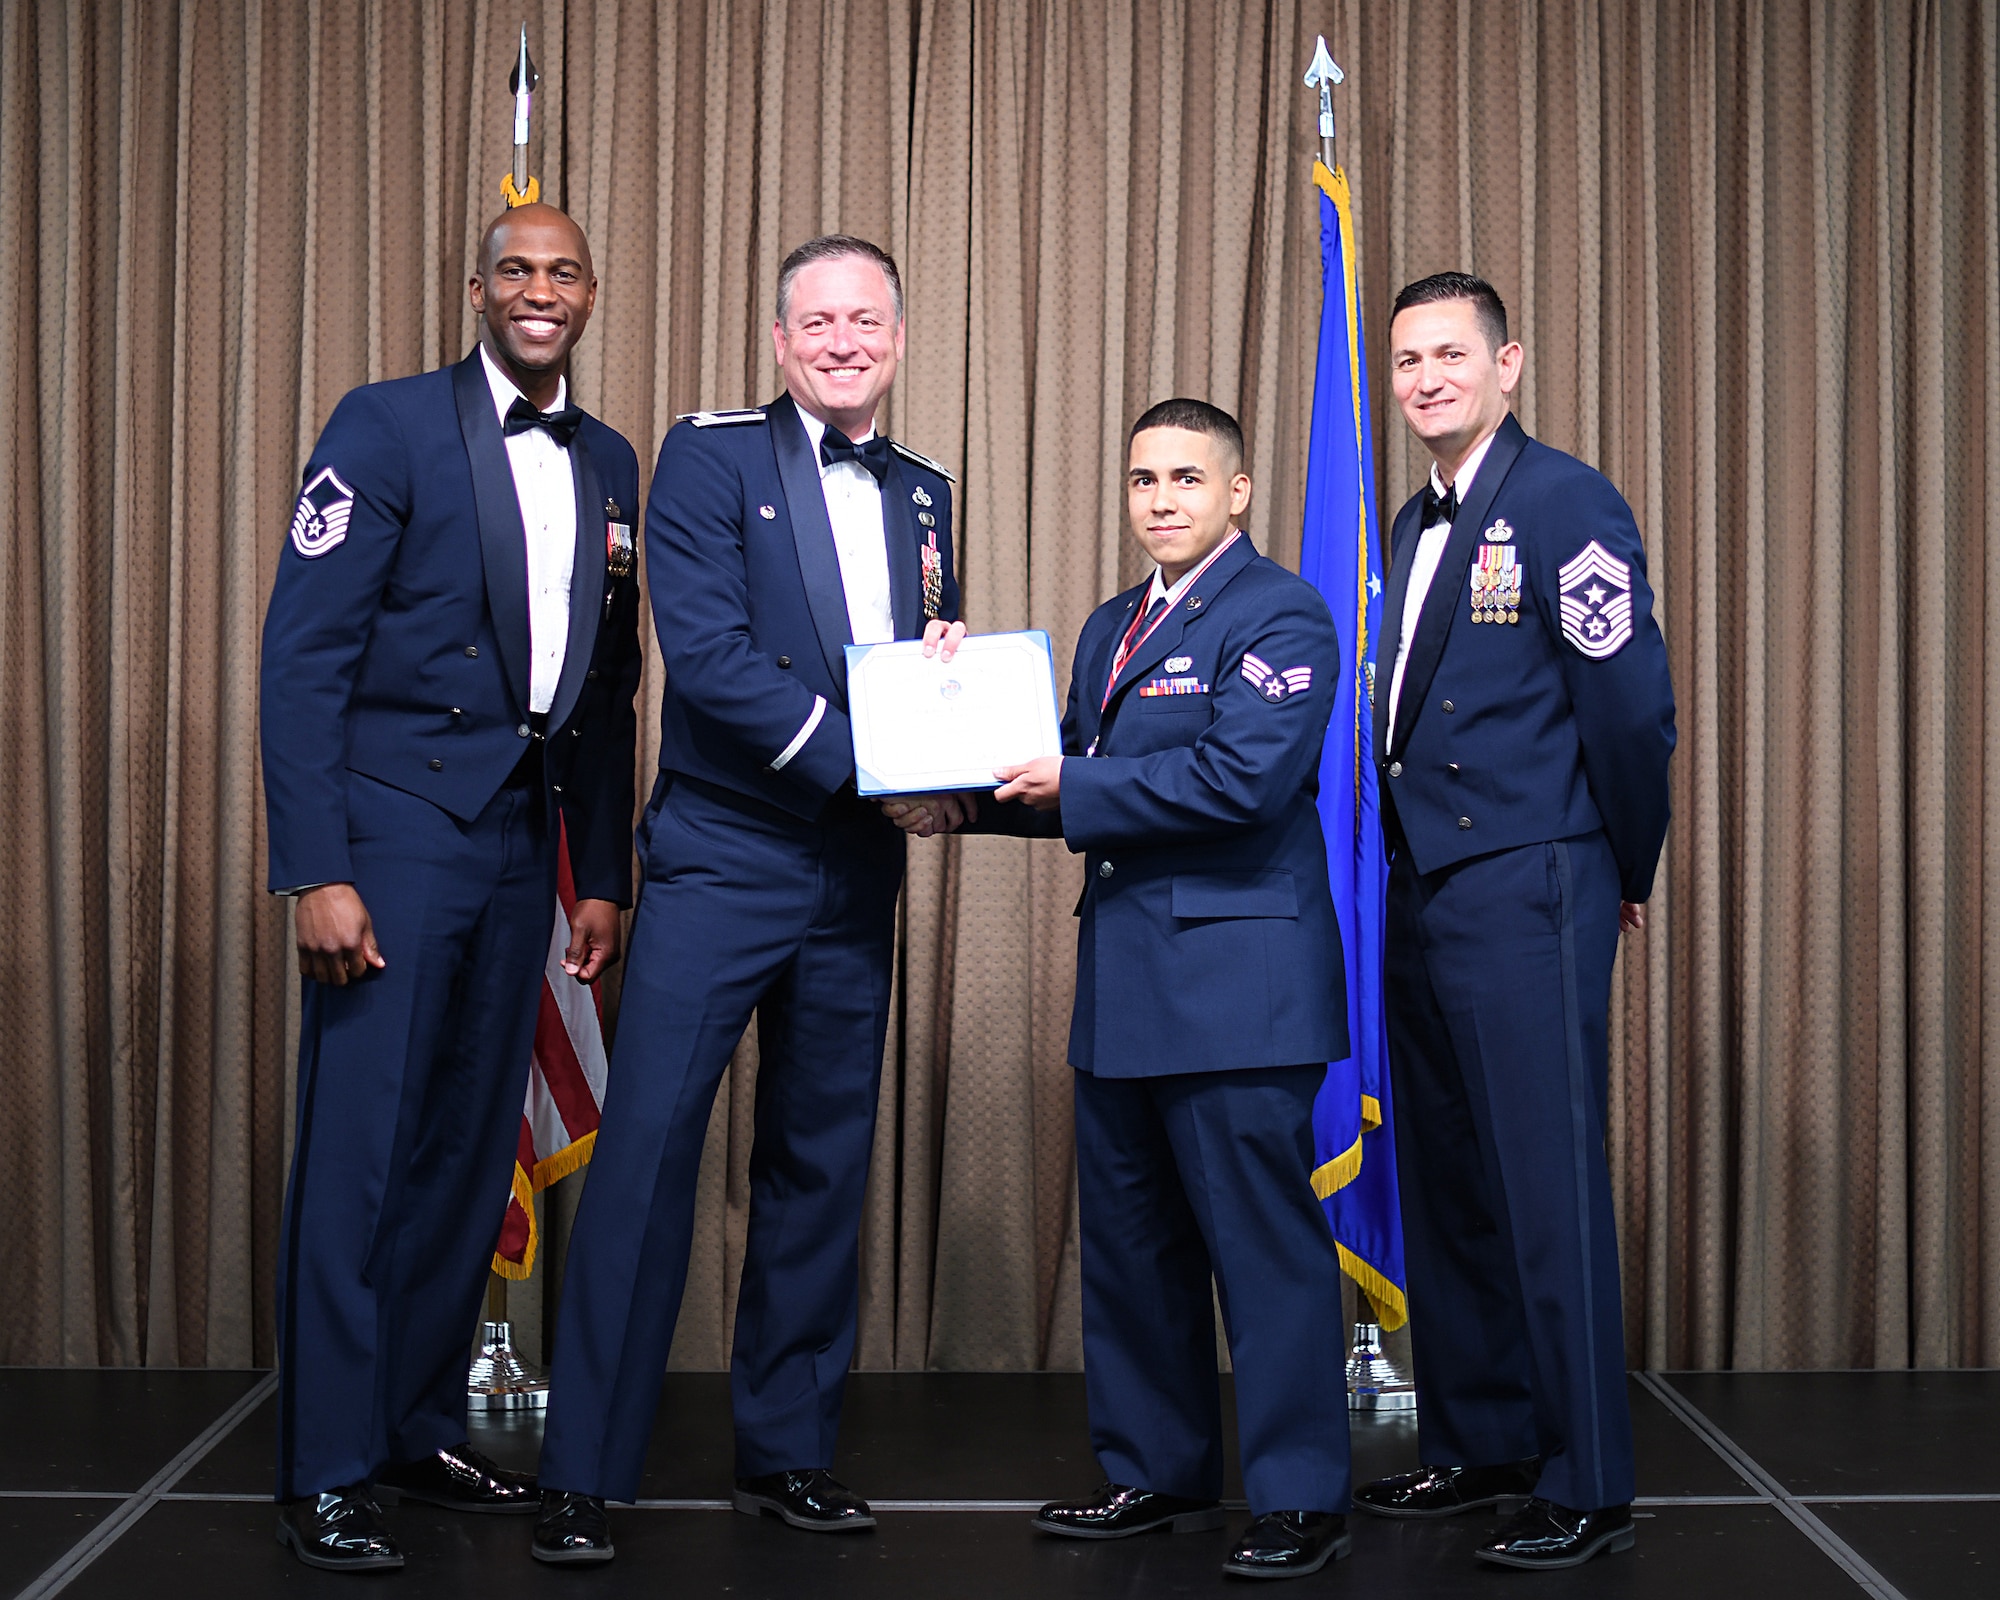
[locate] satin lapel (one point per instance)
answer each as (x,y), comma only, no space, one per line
(906,575)
(1402,556)
(1448,595)
(1167,637)
(503,543)
(586,582)
(819,562)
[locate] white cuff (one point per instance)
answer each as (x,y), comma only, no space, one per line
(799,739)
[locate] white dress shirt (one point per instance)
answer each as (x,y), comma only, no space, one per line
(854,507)
(546,488)
(1430,551)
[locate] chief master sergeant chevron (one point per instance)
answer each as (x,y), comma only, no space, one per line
(774,538)
(449,662)
(1523,724)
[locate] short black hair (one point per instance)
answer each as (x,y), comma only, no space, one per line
(1196,416)
(1487,305)
(835,247)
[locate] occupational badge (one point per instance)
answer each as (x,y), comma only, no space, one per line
(933,560)
(917,494)
(1272,684)
(1499,533)
(619,551)
(1596,593)
(1496,583)
(1179,663)
(320,522)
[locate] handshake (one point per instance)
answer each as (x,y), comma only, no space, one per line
(1038,783)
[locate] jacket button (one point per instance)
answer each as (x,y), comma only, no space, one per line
(784,661)
(1465,822)
(591,675)
(437,766)
(1452,768)
(522,731)
(577,733)
(1448,708)
(1104,869)
(1395,769)
(472,650)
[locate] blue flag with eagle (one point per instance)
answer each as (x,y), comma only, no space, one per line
(1355,1177)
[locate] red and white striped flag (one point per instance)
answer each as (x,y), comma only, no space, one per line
(565,1087)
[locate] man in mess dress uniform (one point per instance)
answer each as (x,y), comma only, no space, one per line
(1523,725)
(775,537)
(449,663)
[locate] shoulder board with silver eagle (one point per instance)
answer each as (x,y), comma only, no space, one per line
(720,419)
(908,454)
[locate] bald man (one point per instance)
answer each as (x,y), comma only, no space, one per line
(449,665)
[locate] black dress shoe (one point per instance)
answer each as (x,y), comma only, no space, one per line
(572,1528)
(1120,1511)
(459,1479)
(340,1530)
(1289,1544)
(1546,1536)
(806,1497)
(1446,1491)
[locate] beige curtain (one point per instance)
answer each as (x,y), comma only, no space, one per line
(1754,253)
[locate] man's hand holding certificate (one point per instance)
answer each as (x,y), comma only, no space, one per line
(946,714)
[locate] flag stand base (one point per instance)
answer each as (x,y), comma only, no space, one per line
(1374,1382)
(499,1379)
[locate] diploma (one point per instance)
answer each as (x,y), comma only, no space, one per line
(921,724)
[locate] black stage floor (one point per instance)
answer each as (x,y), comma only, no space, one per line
(1777,1486)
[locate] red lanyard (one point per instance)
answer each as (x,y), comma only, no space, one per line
(1130,646)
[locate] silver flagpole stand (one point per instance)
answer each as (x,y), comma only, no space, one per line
(1374,1382)
(499,1379)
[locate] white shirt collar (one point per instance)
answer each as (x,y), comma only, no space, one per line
(816,431)
(1179,587)
(1462,480)
(504,392)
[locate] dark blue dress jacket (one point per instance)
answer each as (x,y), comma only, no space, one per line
(1513,733)
(752,615)
(1207,939)
(396,644)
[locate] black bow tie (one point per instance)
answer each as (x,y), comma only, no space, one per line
(561,425)
(871,453)
(1436,510)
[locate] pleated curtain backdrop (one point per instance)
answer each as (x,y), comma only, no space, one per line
(1753,250)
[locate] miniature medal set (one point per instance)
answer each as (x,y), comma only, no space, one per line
(1496,578)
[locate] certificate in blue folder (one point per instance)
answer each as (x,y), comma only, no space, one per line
(922,725)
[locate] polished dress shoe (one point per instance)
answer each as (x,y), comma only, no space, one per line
(1289,1544)
(806,1497)
(572,1528)
(459,1479)
(1120,1511)
(340,1530)
(1446,1491)
(1546,1536)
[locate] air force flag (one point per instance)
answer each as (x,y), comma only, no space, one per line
(1340,555)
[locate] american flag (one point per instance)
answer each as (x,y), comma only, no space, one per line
(565,1087)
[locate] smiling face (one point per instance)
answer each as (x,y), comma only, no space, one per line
(533,295)
(1184,491)
(840,341)
(1451,383)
